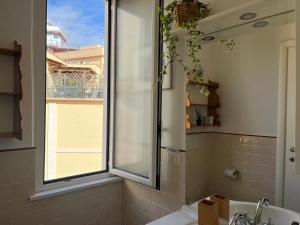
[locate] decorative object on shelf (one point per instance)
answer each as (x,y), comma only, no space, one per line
(188,101)
(185,14)
(187,121)
(199,117)
(208,120)
(17,94)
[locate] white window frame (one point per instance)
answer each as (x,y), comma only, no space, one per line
(154,155)
(39,40)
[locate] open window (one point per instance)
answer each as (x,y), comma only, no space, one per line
(101,111)
(135,114)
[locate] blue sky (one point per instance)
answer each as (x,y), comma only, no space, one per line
(82,21)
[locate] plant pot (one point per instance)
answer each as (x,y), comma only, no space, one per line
(190,10)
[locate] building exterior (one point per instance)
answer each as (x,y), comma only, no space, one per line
(55,37)
(87,55)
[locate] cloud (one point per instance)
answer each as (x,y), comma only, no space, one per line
(81,21)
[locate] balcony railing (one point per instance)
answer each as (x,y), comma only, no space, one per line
(75,85)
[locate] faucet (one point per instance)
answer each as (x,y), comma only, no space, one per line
(243,219)
(259,207)
(238,218)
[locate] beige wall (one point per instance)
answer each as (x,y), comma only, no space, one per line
(19,29)
(249,80)
(248,92)
(79,124)
(100,205)
(297,153)
(198,163)
(74,131)
(72,163)
(253,157)
(209,154)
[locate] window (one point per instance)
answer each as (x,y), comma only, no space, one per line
(135,143)
(75,94)
(92,113)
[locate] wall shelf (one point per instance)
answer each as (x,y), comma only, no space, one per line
(196,126)
(9,94)
(9,52)
(8,134)
(15,129)
(211,107)
(201,84)
(227,24)
(206,105)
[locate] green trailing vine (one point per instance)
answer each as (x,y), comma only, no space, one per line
(194,70)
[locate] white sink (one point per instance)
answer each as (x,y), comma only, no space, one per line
(188,215)
(278,215)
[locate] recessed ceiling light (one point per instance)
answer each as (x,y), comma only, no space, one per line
(208,38)
(247,16)
(260,24)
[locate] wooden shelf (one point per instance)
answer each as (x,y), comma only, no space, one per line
(206,105)
(9,52)
(197,83)
(196,126)
(17,93)
(212,105)
(8,134)
(8,94)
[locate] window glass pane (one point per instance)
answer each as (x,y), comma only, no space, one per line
(134,79)
(74,88)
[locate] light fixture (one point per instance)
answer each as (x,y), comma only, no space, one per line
(208,38)
(248,16)
(260,24)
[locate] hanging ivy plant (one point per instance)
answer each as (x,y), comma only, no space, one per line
(185,14)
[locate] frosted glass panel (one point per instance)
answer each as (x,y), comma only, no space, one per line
(134,79)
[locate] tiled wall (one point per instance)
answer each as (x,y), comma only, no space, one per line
(253,157)
(198,172)
(142,204)
(198,158)
(185,177)
(95,206)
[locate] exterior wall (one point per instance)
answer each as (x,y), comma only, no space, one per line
(99,205)
(80,125)
(74,131)
(89,60)
(76,162)
(142,204)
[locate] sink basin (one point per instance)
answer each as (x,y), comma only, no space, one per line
(278,215)
(188,214)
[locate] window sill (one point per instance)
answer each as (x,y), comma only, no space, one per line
(72,188)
